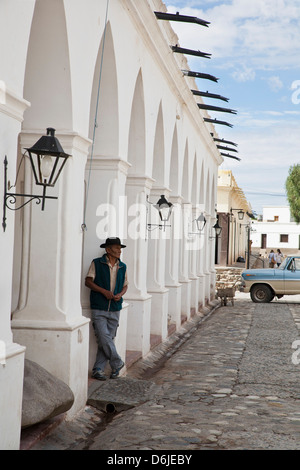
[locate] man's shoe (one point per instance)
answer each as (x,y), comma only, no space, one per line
(99,375)
(115,372)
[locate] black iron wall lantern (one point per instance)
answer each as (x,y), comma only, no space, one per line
(240,213)
(164,209)
(200,224)
(47,159)
(217,230)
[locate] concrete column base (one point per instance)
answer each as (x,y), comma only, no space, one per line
(212,285)
(174,307)
(201,291)
(138,324)
(11,394)
(207,289)
(194,295)
(62,349)
(159,313)
(186,298)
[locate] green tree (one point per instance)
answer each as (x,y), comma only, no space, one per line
(292,186)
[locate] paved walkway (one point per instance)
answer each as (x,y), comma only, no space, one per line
(233,384)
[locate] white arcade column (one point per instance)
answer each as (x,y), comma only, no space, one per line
(194,254)
(135,256)
(211,234)
(12,108)
(204,248)
(158,238)
(173,263)
(48,320)
(185,248)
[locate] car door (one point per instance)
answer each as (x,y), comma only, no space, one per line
(292,277)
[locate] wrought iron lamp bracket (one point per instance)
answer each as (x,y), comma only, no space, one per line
(10,199)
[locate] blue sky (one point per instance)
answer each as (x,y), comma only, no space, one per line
(255,47)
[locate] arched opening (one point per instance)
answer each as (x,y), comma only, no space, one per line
(195,185)
(104,133)
(47,86)
(104,118)
(137,132)
(158,171)
(136,189)
(47,83)
(201,189)
(185,176)
(174,170)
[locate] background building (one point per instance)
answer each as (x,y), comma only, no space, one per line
(234,212)
(277,229)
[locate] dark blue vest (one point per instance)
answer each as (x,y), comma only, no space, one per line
(102,279)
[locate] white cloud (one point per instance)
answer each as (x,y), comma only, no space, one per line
(275,83)
(264,167)
(274,113)
(267,32)
(265,154)
(244,74)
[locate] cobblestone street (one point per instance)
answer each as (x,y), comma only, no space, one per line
(231,385)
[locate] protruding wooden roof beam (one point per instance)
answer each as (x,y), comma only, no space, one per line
(183,18)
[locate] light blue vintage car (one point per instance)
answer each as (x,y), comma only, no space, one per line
(265,284)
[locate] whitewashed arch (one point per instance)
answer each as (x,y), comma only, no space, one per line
(137,130)
(51,106)
(47,76)
(104,110)
(213,196)
(202,186)
(185,175)
(195,183)
(207,192)
(174,166)
(158,169)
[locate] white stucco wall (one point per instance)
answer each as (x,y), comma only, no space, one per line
(276,223)
(280,214)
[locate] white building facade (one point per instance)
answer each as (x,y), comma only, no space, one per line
(103,75)
(234,216)
(276,230)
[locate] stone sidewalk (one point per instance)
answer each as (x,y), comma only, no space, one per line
(229,384)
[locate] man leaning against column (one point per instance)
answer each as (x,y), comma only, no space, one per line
(107,279)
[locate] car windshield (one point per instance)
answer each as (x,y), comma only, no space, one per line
(284,263)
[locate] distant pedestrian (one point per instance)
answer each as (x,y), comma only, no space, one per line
(279,257)
(107,279)
(272,259)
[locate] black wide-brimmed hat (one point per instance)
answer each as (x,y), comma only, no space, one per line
(112,241)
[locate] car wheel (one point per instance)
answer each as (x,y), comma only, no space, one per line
(261,294)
